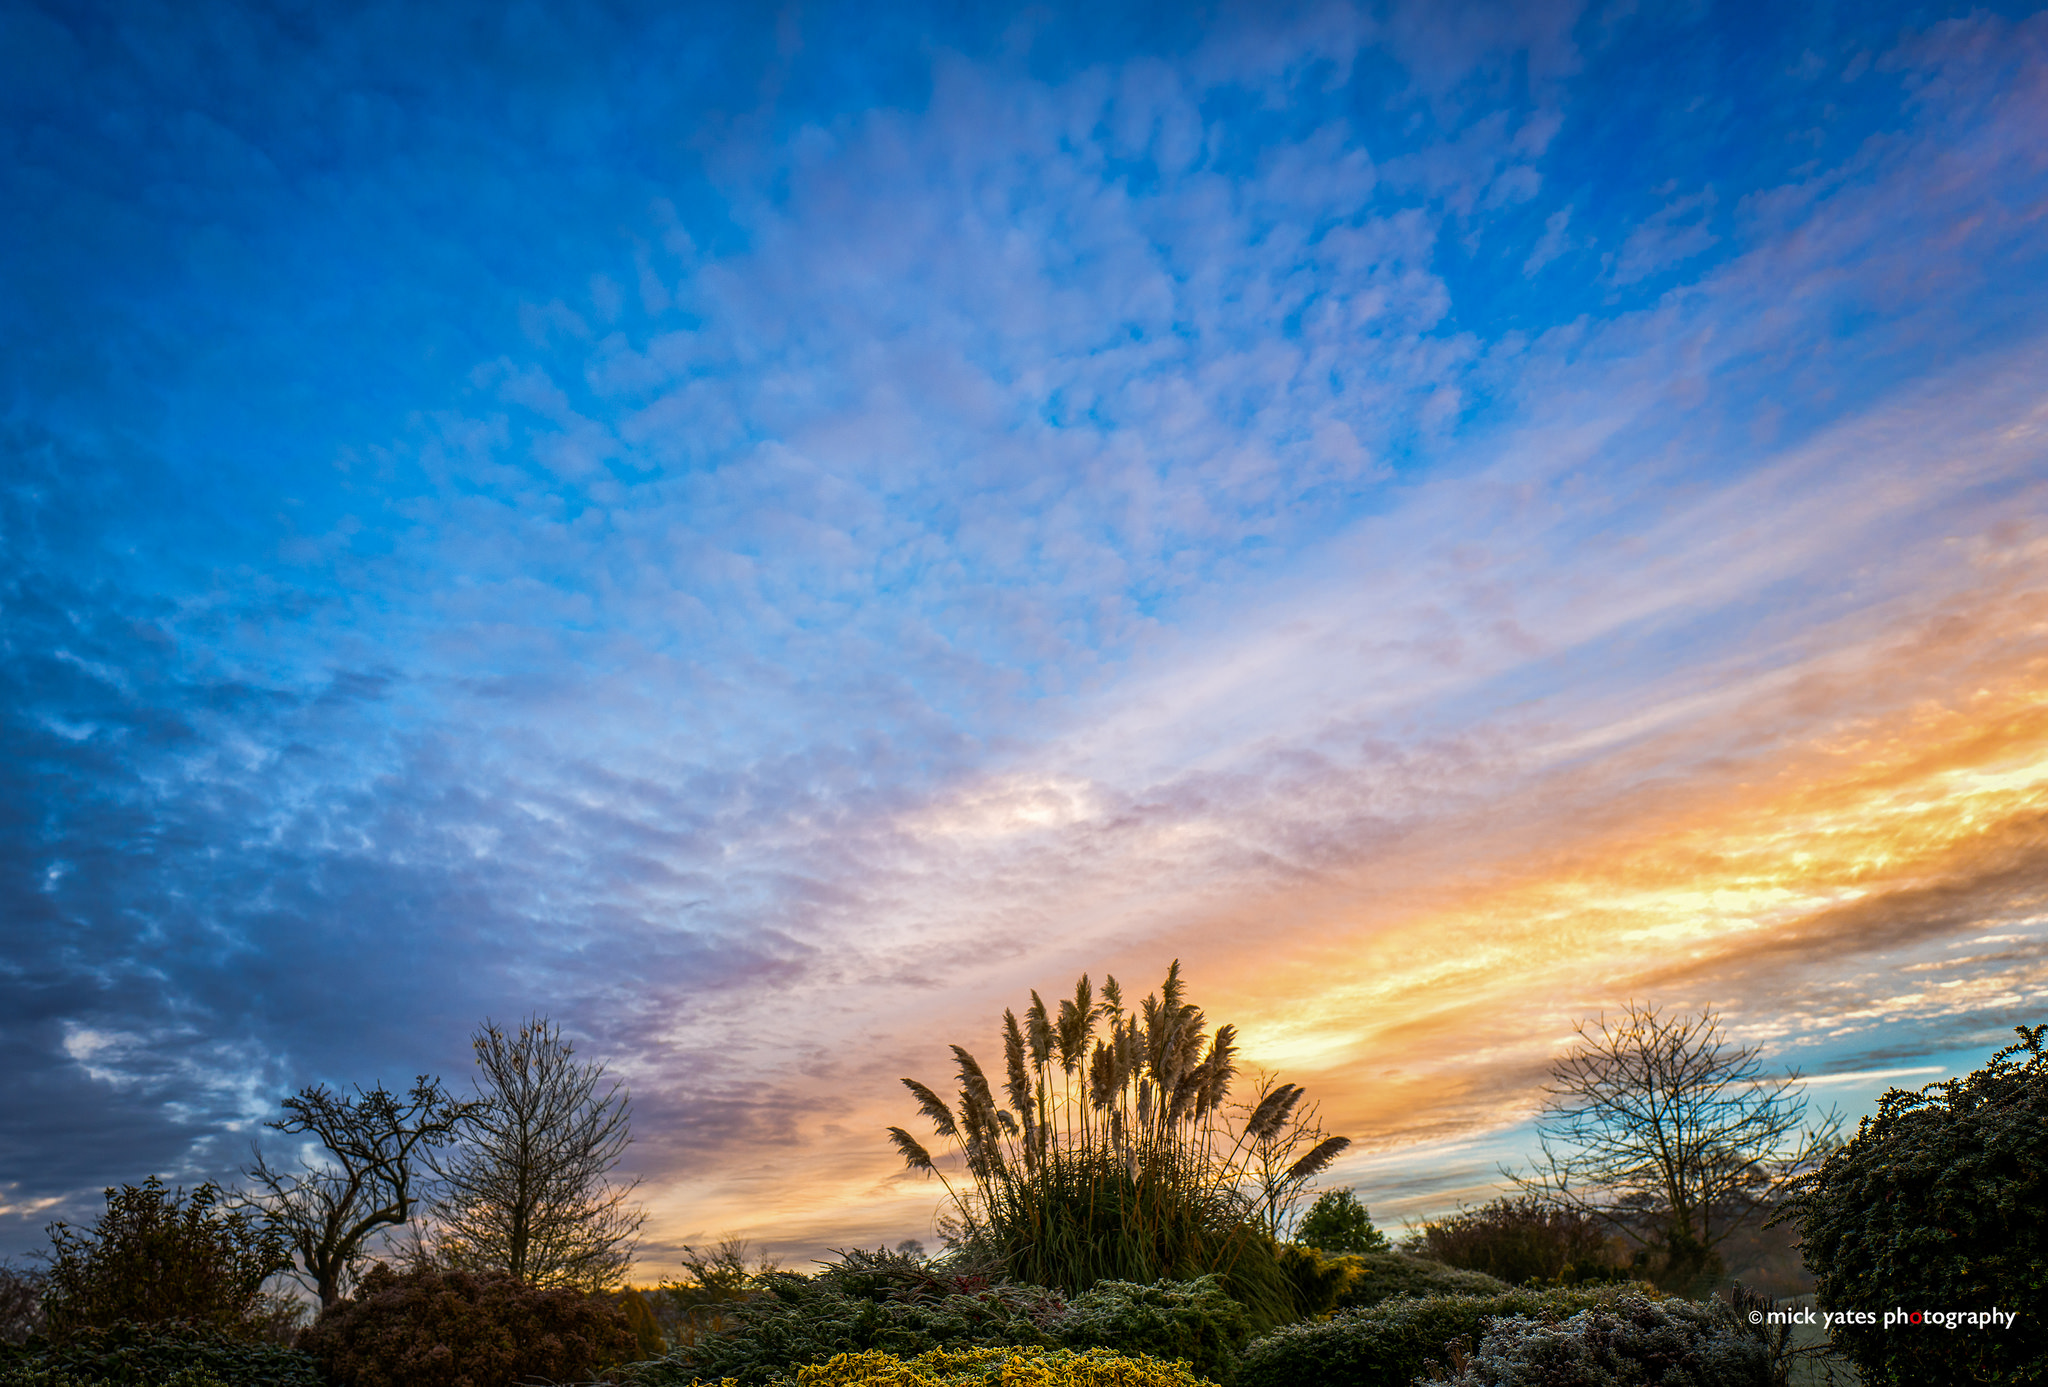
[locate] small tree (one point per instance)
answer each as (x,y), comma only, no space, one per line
(327,1211)
(528,1192)
(1338,1222)
(1288,1149)
(1670,1134)
(1939,1204)
(156,1256)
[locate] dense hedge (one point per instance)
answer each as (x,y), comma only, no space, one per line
(879,1302)
(1635,1342)
(1376,1276)
(153,1355)
(1940,1203)
(997,1367)
(1390,1343)
(1189,1320)
(805,1319)
(430,1328)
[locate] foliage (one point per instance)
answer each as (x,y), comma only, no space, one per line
(888,1302)
(157,1356)
(648,1340)
(1670,1134)
(1317,1279)
(434,1328)
(327,1211)
(528,1192)
(713,1281)
(1115,1159)
(156,1256)
(21,1303)
(1633,1342)
(1939,1203)
(1193,1321)
(1522,1239)
(1372,1277)
(996,1367)
(1338,1222)
(1388,1344)
(860,1304)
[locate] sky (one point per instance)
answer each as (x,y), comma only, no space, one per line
(765,534)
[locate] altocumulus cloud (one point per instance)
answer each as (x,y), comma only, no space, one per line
(764,539)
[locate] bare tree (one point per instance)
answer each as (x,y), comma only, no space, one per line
(329,1208)
(1671,1134)
(1285,1147)
(529,1190)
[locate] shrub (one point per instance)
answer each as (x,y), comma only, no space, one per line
(996,1367)
(1193,1321)
(431,1328)
(1376,1276)
(156,1257)
(1940,1203)
(1633,1342)
(648,1340)
(808,1319)
(1523,1239)
(1337,1222)
(151,1355)
(1389,1344)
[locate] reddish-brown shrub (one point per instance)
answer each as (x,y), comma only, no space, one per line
(428,1328)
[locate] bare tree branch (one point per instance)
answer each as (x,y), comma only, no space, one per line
(327,1211)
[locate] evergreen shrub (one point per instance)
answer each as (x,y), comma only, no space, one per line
(1940,1203)
(1376,1276)
(884,1302)
(998,1367)
(1390,1343)
(153,1355)
(1193,1321)
(1634,1342)
(431,1328)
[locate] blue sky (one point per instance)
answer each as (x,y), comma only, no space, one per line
(765,533)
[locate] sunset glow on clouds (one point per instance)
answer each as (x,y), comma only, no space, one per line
(766,539)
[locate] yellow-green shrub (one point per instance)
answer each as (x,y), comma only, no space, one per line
(998,1367)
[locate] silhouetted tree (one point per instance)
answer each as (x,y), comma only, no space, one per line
(528,1191)
(1671,1134)
(327,1211)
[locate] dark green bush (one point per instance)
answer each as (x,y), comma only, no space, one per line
(1189,1320)
(1634,1342)
(1376,1276)
(158,1256)
(1523,1239)
(1338,1223)
(808,1319)
(1940,1203)
(1390,1343)
(998,1367)
(153,1355)
(429,1328)
(885,1302)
